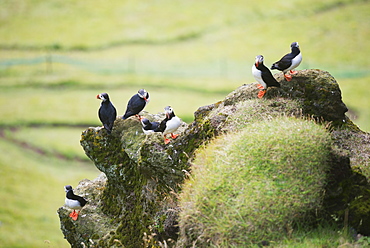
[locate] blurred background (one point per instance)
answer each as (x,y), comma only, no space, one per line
(57,55)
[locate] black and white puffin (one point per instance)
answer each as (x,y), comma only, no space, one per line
(149,126)
(136,103)
(289,62)
(107,112)
(170,124)
(263,76)
(74,202)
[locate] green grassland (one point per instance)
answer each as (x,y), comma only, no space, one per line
(31,192)
(56,56)
(132,45)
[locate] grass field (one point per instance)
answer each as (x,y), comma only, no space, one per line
(31,192)
(56,56)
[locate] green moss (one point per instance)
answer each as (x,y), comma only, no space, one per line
(255,184)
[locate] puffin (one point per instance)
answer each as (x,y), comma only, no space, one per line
(289,62)
(169,125)
(107,112)
(263,76)
(74,202)
(136,103)
(149,127)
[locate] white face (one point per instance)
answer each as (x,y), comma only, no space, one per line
(101,97)
(168,109)
(143,94)
(259,60)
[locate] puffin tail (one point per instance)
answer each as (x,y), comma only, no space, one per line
(275,66)
(109,129)
(276,84)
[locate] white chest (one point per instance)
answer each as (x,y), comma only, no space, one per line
(295,62)
(172,125)
(258,76)
(73,204)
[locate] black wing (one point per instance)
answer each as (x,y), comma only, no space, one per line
(267,76)
(107,115)
(284,63)
(162,126)
(112,114)
(134,106)
(72,196)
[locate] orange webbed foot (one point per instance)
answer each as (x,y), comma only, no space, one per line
(288,77)
(74,215)
(261,93)
(174,136)
(293,72)
(166,141)
(259,86)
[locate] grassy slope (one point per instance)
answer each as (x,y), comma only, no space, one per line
(31,192)
(252,185)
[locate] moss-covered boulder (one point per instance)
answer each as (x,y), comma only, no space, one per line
(138,202)
(255,185)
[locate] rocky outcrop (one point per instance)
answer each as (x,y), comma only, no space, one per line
(134,203)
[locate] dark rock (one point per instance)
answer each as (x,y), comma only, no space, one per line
(317,91)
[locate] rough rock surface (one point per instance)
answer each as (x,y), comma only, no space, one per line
(134,203)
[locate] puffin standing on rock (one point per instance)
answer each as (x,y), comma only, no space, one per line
(289,62)
(107,112)
(170,124)
(263,76)
(74,202)
(136,103)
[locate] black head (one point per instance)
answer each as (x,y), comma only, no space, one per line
(294,44)
(259,60)
(169,112)
(143,94)
(67,188)
(145,121)
(103,96)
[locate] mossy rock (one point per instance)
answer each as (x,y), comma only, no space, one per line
(140,170)
(254,185)
(144,175)
(317,91)
(92,224)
